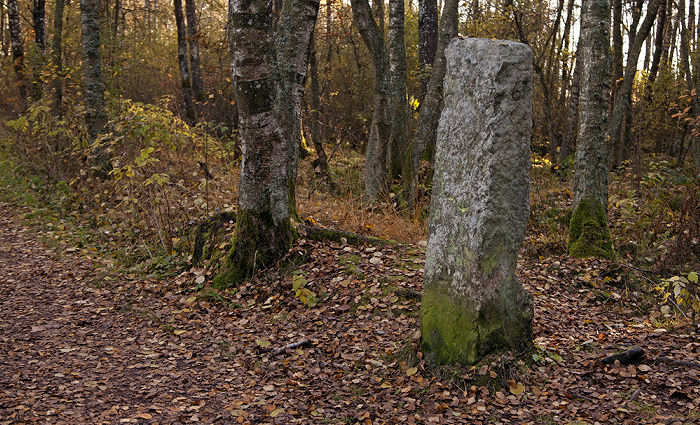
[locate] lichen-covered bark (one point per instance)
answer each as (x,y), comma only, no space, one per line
(472,303)
(592,161)
(185,79)
(377,146)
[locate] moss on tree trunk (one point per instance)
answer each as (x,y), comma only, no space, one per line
(588,231)
(258,242)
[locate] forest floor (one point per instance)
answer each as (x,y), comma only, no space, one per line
(79,346)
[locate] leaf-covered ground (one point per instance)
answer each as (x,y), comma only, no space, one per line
(80,346)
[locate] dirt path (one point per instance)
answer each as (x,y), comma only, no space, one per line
(73,353)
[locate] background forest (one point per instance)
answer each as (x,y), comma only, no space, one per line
(167,136)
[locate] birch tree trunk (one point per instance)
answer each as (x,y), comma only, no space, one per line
(185,79)
(376,154)
(57,58)
(295,29)
(268,78)
(621,100)
(193,44)
(589,235)
(399,106)
(427,40)
(93,84)
(39,25)
(17,49)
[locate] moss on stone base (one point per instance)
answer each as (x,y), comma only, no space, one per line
(589,235)
(258,243)
(464,330)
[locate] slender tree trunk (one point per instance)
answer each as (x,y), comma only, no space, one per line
(93,84)
(39,25)
(589,235)
(193,42)
(427,40)
(17,49)
(623,95)
(377,147)
(185,79)
(322,160)
(658,44)
(429,113)
(399,106)
(57,58)
(3,45)
(617,64)
(692,88)
(569,142)
(293,44)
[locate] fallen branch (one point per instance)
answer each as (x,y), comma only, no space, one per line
(632,355)
(340,236)
(677,362)
(297,344)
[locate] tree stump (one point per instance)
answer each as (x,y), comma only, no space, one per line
(472,304)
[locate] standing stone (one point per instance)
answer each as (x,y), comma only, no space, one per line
(472,304)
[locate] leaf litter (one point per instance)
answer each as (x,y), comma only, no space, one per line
(80,348)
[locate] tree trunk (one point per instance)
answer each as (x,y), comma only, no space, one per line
(322,160)
(427,41)
(623,95)
(93,84)
(268,85)
(57,59)
(39,25)
(377,146)
(658,45)
(293,45)
(399,106)
(617,60)
(569,142)
(185,79)
(429,113)
(692,89)
(17,49)
(193,43)
(589,235)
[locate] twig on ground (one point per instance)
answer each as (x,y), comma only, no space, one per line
(630,356)
(297,344)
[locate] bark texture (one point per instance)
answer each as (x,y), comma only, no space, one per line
(377,146)
(588,230)
(39,51)
(472,304)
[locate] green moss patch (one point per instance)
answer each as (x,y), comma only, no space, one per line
(589,235)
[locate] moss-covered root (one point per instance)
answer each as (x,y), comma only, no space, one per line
(258,243)
(589,235)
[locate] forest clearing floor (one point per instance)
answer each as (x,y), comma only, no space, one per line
(81,346)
